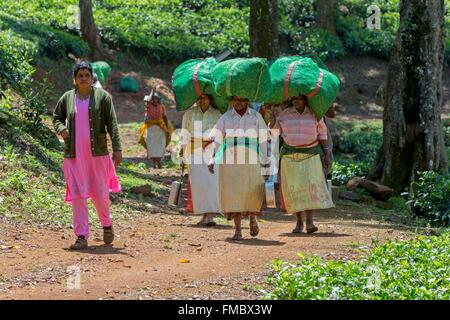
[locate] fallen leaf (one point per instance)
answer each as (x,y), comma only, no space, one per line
(119,260)
(195,244)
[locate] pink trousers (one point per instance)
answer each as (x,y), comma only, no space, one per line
(81,215)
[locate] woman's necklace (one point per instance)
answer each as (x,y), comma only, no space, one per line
(83,97)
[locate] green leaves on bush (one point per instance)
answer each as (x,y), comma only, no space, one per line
(343,171)
(418,269)
(363,141)
(50,42)
(173,30)
(431,197)
(447,135)
(320,41)
(16,54)
(355,148)
(351,26)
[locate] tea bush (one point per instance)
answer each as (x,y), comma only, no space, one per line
(167,30)
(417,269)
(343,171)
(363,141)
(431,197)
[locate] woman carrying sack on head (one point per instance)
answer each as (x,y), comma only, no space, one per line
(197,124)
(83,117)
(240,153)
(304,154)
(156,132)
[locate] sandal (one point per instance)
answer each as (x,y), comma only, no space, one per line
(108,235)
(298,229)
(254,228)
(237,235)
(312,229)
(210,223)
(80,244)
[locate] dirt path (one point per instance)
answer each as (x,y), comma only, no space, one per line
(145,261)
(146,258)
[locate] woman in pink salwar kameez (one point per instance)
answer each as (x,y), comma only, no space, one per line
(83,117)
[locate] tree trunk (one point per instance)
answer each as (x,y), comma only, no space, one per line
(326,14)
(412,128)
(89,31)
(264,28)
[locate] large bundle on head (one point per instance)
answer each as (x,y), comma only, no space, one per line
(102,69)
(315,57)
(294,76)
(243,77)
(193,78)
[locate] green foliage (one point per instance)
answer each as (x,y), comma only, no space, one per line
(343,171)
(297,24)
(15,57)
(361,41)
(355,149)
(294,14)
(317,40)
(32,106)
(32,186)
(418,269)
(174,30)
(351,25)
(447,135)
(363,141)
(398,203)
(163,30)
(431,197)
(50,42)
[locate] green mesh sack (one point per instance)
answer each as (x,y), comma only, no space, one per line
(242,77)
(221,102)
(322,97)
(294,76)
(103,67)
(129,84)
(100,76)
(314,57)
(193,78)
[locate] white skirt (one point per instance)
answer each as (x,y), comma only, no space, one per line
(156,142)
(204,184)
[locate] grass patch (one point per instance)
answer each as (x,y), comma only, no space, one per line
(32,185)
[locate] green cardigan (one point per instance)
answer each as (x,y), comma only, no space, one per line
(102,120)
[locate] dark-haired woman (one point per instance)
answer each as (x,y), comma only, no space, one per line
(240,138)
(197,124)
(83,117)
(304,146)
